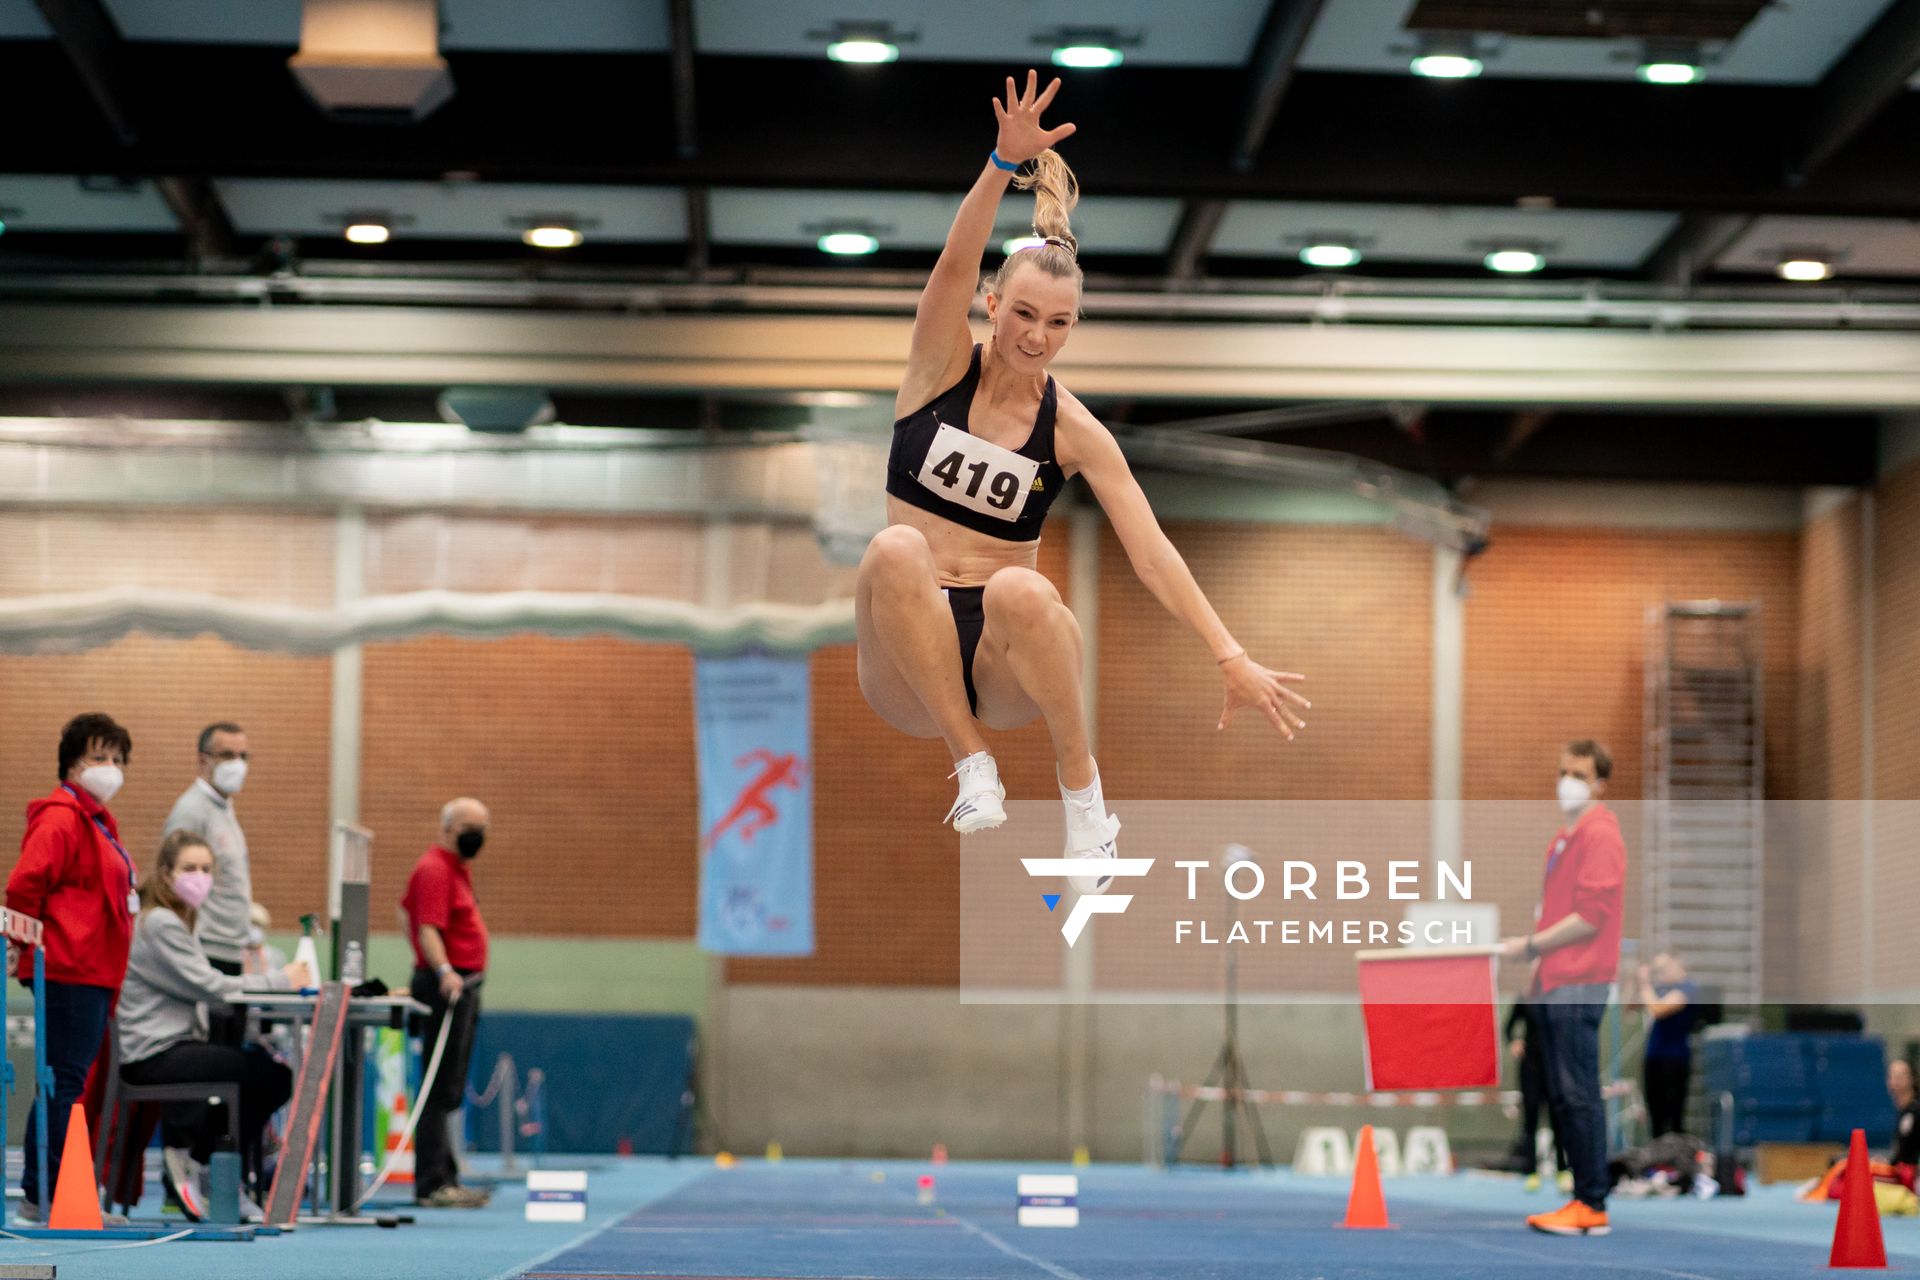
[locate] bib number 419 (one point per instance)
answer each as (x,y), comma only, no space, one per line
(977,474)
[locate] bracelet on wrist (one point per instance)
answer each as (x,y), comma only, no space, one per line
(1237,653)
(1533,952)
(998,163)
(443,970)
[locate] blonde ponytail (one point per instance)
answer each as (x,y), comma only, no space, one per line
(1055,193)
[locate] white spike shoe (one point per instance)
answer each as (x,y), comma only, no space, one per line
(980,804)
(1091,835)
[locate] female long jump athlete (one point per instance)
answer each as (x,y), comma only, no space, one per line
(957,631)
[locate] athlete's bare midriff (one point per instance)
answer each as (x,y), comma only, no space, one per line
(961,556)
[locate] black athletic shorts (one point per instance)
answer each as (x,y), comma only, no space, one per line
(969,616)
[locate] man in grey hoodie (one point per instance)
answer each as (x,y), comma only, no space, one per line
(206,809)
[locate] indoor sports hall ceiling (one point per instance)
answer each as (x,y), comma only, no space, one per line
(1600,149)
(719,132)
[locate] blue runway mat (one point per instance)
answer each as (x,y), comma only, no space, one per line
(820,1220)
(650,1219)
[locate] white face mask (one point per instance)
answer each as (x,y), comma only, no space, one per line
(1575,795)
(229,776)
(103,780)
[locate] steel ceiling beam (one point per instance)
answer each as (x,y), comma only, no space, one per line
(85,31)
(686,134)
(1394,139)
(1269,73)
(1862,85)
(677,353)
(1691,249)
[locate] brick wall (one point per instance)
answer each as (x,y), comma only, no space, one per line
(584,746)
(886,872)
(1556,642)
(1896,727)
(1819,884)
(1350,608)
(582,749)
(1896,635)
(164,691)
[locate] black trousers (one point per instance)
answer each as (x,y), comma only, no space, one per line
(76,1026)
(1533,1100)
(433,1163)
(1569,1019)
(226,1024)
(265,1086)
(1666,1085)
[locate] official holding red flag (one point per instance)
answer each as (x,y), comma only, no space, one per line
(1575,947)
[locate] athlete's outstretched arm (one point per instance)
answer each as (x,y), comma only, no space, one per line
(941,341)
(1089,448)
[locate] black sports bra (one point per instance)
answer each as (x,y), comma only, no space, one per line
(938,465)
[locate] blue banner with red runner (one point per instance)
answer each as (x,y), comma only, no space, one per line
(754,728)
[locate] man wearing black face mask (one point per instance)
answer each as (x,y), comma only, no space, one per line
(450,958)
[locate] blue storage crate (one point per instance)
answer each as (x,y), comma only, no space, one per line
(1758,1067)
(1850,1086)
(1756,1123)
(1837,1123)
(1800,1087)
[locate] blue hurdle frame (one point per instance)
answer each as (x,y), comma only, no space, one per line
(42,1073)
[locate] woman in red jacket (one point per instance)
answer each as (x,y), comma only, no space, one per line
(76,878)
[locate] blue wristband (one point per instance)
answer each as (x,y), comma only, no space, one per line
(998,163)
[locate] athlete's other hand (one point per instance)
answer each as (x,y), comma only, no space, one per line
(1022,137)
(1251,685)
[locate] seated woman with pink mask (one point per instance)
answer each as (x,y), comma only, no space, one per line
(162,1023)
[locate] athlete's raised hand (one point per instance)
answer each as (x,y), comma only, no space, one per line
(1251,685)
(1022,137)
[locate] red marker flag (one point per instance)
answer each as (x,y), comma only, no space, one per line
(1430,1018)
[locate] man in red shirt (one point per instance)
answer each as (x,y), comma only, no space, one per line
(77,879)
(450,959)
(1575,949)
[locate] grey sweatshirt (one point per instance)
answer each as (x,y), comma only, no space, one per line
(223,917)
(168,980)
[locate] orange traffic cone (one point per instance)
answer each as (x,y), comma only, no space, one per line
(1366,1206)
(76,1194)
(399,1154)
(1856,1236)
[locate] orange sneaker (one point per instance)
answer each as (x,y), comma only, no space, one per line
(1571,1219)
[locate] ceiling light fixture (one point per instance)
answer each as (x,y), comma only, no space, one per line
(369,232)
(1330,256)
(1805,270)
(863,42)
(1087,56)
(1014,244)
(1668,73)
(1667,61)
(1447,55)
(863,51)
(1514,261)
(552,237)
(1446,66)
(848,243)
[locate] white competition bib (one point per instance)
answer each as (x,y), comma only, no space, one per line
(977,474)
